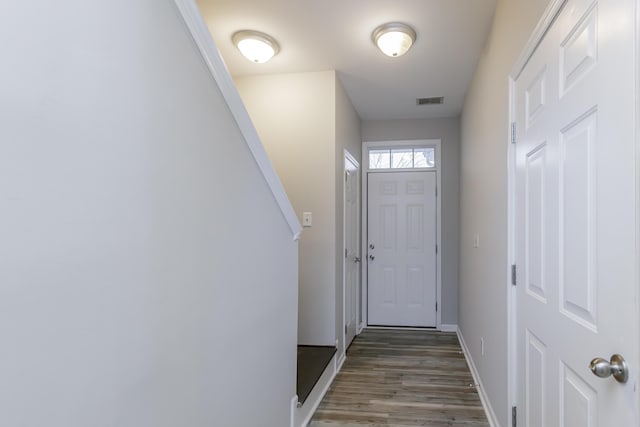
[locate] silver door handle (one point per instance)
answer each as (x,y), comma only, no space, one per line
(371,257)
(356,259)
(616,367)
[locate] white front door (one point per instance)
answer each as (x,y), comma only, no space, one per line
(576,214)
(401,249)
(352,245)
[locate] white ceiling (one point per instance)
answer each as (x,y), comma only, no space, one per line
(318,35)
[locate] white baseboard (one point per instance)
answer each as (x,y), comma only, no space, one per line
(302,416)
(491,415)
(446,327)
(340,359)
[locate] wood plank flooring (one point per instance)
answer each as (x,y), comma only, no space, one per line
(402,378)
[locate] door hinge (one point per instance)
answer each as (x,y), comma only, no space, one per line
(513,274)
(514,416)
(346,176)
(345,329)
(436,248)
(436,306)
(436,191)
(345,252)
(513,132)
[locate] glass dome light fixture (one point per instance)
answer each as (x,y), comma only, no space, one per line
(394,38)
(257,47)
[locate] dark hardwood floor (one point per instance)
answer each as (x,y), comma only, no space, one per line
(312,361)
(402,378)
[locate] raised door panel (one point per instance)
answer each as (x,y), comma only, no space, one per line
(576,214)
(401,239)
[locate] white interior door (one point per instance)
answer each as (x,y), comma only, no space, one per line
(352,248)
(576,219)
(401,249)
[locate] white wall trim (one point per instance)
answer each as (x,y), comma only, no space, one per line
(446,327)
(211,56)
(545,22)
(637,147)
(437,143)
(486,404)
(292,413)
(512,333)
(349,157)
(548,16)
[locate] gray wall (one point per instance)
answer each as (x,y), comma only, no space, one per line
(347,125)
(305,121)
(299,138)
(485,127)
(143,259)
(447,130)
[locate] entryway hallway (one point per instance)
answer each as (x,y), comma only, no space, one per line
(402,378)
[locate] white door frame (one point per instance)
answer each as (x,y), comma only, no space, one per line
(637,141)
(349,157)
(538,33)
(366,146)
(545,22)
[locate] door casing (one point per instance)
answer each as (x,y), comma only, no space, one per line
(366,146)
(349,158)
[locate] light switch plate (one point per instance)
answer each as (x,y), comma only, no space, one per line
(306,219)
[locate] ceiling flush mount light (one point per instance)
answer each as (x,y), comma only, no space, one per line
(255,46)
(394,38)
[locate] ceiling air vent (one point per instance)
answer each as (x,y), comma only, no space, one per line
(434,100)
